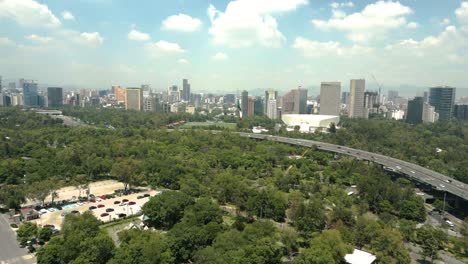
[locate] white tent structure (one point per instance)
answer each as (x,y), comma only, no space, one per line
(360,257)
(309,123)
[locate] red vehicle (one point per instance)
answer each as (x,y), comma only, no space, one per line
(104,214)
(103,197)
(100,206)
(131,203)
(124,200)
(92,200)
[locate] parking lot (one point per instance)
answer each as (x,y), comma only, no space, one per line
(130,207)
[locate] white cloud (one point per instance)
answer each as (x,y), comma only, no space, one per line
(220,56)
(39,39)
(6,42)
(28,13)
(373,21)
(183,61)
(344,4)
(445,22)
(163,47)
(462,12)
(138,36)
(412,25)
(181,22)
(312,48)
(67,15)
(91,38)
(246,23)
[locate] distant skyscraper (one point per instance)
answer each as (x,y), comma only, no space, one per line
(173,94)
(30,95)
(119,94)
(1,84)
(414,115)
(356,99)
(294,102)
(230,99)
(443,99)
(5,100)
(461,111)
(185,90)
(270,94)
(145,87)
(330,98)
(54,97)
(426,97)
(245,103)
(151,104)
(251,108)
(272,109)
(392,95)
(344,97)
(429,115)
(134,99)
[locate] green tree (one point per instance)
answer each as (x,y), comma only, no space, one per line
(26,232)
(166,209)
(431,240)
(44,234)
(12,196)
(327,248)
(127,171)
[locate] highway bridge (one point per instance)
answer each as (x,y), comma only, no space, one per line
(421,174)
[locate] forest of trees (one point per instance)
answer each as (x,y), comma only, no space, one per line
(284,205)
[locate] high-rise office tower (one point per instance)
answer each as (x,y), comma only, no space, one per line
(54,97)
(426,97)
(251,106)
(392,95)
(173,94)
(272,109)
(1,84)
(270,94)
(151,104)
(230,99)
(414,114)
(356,99)
(429,115)
(461,111)
(443,99)
(119,94)
(344,97)
(185,90)
(134,99)
(294,102)
(245,103)
(330,98)
(30,95)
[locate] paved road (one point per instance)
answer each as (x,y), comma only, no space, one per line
(10,252)
(421,174)
(415,254)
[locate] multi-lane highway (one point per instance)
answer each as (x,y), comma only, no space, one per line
(419,173)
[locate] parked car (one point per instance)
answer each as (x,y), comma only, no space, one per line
(140,197)
(110,210)
(100,206)
(131,203)
(92,207)
(98,199)
(122,215)
(125,200)
(75,212)
(116,202)
(104,214)
(146,195)
(49,226)
(64,214)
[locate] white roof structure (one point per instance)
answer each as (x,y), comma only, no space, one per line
(308,123)
(360,257)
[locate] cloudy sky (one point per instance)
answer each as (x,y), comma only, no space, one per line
(228,45)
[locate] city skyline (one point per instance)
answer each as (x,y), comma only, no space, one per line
(100,43)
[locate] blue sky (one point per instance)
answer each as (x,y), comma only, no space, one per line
(230,45)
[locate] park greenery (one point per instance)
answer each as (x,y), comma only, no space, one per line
(226,199)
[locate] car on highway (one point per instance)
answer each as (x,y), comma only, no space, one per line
(413,172)
(398,167)
(449,223)
(448,181)
(442,186)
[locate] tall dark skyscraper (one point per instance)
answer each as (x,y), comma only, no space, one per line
(443,99)
(245,103)
(185,90)
(294,102)
(30,95)
(415,111)
(461,111)
(1,84)
(54,97)
(344,97)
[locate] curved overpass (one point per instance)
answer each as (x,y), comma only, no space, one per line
(419,173)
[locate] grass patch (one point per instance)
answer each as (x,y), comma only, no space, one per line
(209,124)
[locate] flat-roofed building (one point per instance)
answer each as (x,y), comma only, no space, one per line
(330,98)
(134,99)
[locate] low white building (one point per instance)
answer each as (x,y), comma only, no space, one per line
(309,123)
(360,257)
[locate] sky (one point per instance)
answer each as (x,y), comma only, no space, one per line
(225,46)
